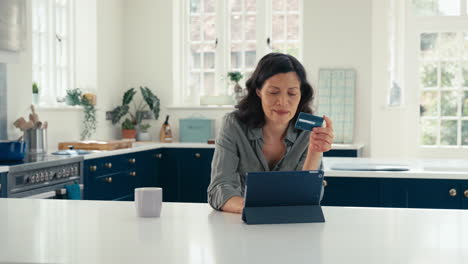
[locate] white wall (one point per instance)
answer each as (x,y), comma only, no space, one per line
(337,33)
(98,53)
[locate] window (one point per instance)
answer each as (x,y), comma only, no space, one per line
(442,30)
(219,36)
(52,38)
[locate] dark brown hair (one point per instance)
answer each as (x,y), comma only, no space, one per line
(250,109)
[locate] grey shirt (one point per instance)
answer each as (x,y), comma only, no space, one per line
(238,150)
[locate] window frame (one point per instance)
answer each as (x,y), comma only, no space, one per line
(181,51)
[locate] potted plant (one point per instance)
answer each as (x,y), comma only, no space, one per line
(75,97)
(143,134)
(149,104)
(128,129)
(35,93)
(235,77)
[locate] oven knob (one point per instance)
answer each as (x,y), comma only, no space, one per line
(41,176)
(37,178)
(33,179)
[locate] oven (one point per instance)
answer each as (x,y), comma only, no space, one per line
(45,178)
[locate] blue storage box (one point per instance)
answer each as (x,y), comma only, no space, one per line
(196,129)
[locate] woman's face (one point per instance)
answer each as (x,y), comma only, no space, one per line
(280,96)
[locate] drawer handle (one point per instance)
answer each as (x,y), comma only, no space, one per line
(108,165)
(158,156)
(132,161)
(93,168)
(197,155)
(325,183)
(132,173)
(453,192)
(465,193)
(108,179)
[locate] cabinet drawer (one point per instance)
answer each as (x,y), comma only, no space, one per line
(111,186)
(103,166)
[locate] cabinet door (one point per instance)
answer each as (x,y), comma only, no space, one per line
(112,186)
(194,174)
(428,193)
(148,163)
(464,194)
(341,191)
(168,174)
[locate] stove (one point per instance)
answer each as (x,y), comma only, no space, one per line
(41,176)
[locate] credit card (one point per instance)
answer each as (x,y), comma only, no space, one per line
(308,122)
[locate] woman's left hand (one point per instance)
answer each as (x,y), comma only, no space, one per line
(321,138)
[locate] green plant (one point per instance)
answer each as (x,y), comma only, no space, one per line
(35,88)
(144,127)
(150,101)
(89,122)
(74,96)
(128,124)
(235,76)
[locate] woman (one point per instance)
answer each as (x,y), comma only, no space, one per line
(260,134)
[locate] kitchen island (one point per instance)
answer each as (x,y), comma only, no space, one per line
(60,231)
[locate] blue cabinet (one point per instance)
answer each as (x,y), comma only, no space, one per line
(351,191)
(3,184)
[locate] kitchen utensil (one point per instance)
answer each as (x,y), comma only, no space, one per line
(38,124)
(33,116)
(12,150)
(45,125)
(20,123)
(28,125)
(36,140)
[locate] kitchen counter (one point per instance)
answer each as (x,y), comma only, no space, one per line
(3,169)
(60,231)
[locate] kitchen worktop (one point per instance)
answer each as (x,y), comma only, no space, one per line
(60,231)
(3,169)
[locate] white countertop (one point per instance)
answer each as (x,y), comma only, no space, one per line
(59,231)
(4,169)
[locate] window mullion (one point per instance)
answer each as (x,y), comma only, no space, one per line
(222,52)
(51,43)
(263,28)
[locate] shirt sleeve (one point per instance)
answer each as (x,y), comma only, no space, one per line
(225,179)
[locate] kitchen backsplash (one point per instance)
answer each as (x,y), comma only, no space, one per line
(3,101)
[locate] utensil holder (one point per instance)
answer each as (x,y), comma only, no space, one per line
(36,139)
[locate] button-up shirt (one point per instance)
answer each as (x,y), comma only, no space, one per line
(238,150)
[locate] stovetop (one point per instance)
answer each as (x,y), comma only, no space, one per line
(34,161)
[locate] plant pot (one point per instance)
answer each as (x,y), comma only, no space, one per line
(128,133)
(143,136)
(35,98)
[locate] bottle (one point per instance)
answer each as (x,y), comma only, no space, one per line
(166,133)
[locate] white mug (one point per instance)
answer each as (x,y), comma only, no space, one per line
(148,201)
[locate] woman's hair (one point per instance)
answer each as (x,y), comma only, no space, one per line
(250,109)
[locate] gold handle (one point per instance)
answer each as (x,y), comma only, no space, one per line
(108,179)
(158,156)
(197,155)
(132,161)
(325,183)
(108,165)
(133,173)
(465,193)
(453,192)
(93,168)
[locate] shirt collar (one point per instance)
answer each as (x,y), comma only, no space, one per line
(257,133)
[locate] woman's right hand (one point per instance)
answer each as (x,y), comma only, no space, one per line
(235,205)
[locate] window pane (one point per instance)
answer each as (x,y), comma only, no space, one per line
(236,56)
(209,28)
(209,56)
(209,6)
(277,47)
(194,6)
(429,132)
(250,5)
(278,5)
(195,28)
(250,55)
(465,104)
(235,5)
(429,103)
(250,26)
(208,84)
(278,27)
(464,133)
(293,27)
(194,85)
(195,60)
(436,7)
(449,45)
(236,27)
(448,132)
(448,74)
(465,44)
(292,5)
(293,49)
(428,45)
(448,103)
(428,75)
(465,74)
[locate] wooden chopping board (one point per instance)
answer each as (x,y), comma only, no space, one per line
(97,144)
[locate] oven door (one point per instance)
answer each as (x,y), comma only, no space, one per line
(58,193)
